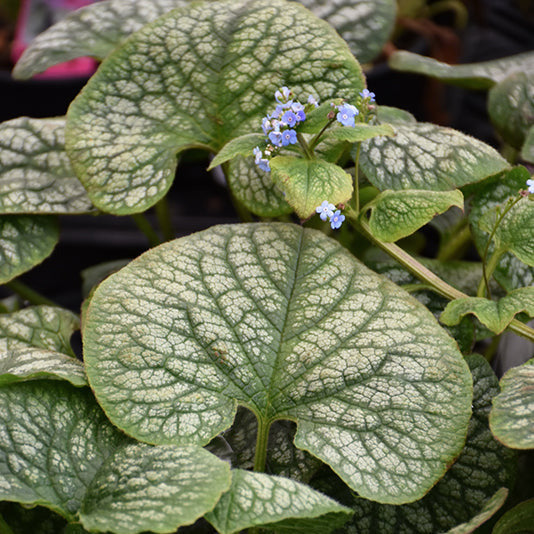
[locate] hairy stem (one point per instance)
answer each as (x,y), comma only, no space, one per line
(315,141)
(29,294)
(307,150)
(356,195)
(262,439)
(142,223)
(487,272)
(428,277)
(163,214)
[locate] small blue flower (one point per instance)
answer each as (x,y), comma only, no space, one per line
(289,137)
(298,109)
(312,101)
(257,154)
(263,164)
(337,220)
(325,210)
(266,125)
(275,138)
(368,94)
(282,95)
(346,114)
(277,113)
(530,184)
(289,118)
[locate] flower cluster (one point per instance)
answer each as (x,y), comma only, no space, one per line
(279,126)
(326,211)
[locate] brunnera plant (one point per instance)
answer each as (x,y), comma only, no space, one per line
(269,376)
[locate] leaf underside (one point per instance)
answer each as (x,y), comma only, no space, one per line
(285,322)
(141,108)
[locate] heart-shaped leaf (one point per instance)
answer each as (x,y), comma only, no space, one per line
(94,30)
(53,439)
(25,241)
(474,486)
(160,92)
(35,173)
(285,322)
(495,315)
(397,214)
(511,418)
(276,504)
(429,157)
(512,271)
(359,132)
(518,520)
(365,24)
(511,107)
(35,343)
(159,489)
(306,183)
(471,75)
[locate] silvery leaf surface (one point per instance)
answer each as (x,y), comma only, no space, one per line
(277,318)
(25,241)
(94,30)
(365,24)
(35,172)
(198,77)
(430,157)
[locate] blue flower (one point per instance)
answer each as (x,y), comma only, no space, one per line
(289,137)
(325,210)
(346,114)
(530,184)
(312,101)
(289,118)
(276,138)
(266,125)
(367,94)
(257,154)
(282,95)
(298,109)
(336,220)
(260,161)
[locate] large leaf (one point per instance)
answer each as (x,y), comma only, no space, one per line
(25,241)
(427,156)
(196,77)
(285,322)
(518,520)
(94,30)
(364,24)
(397,214)
(307,183)
(35,173)
(276,504)
(53,439)
(510,272)
(35,343)
(159,489)
(471,75)
(511,107)
(471,487)
(512,415)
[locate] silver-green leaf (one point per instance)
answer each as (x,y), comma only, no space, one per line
(35,173)
(285,322)
(471,75)
(94,30)
(427,156)
(158,489)
(512,415)
(35,343)
(53,439)
(25,241)
(196,77)
(240,146)
(275,503)
(511,107)
(397,214)
(365,24)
